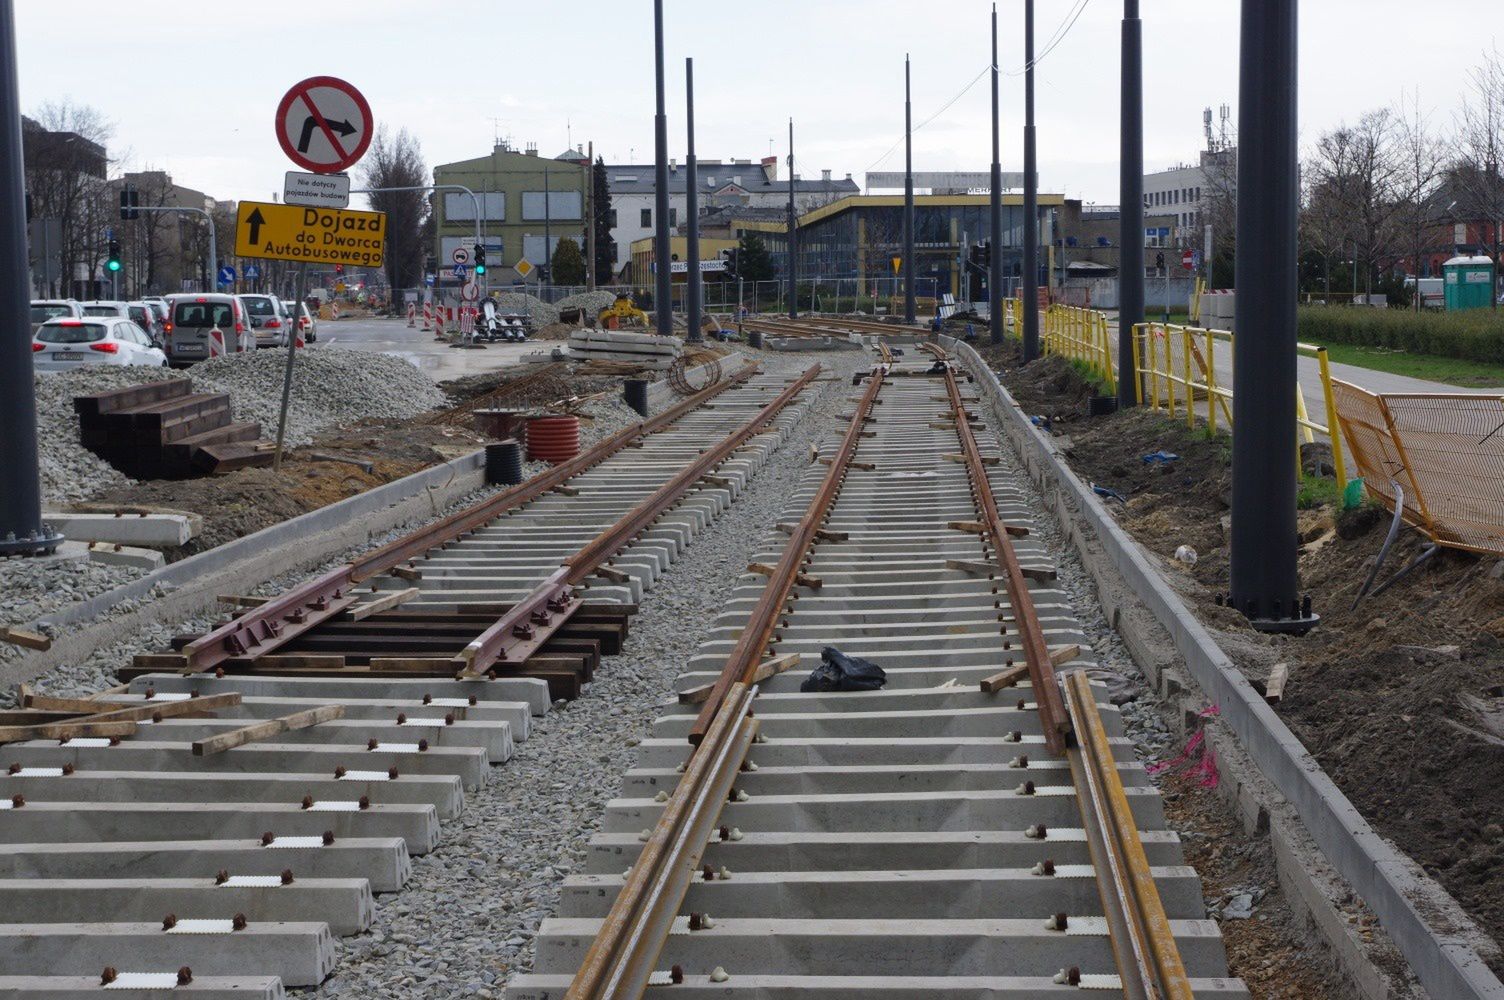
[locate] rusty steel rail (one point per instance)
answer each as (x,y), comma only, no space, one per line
(620,960)
(519,632)
(263,629)
(1053,718)
(754,639)
(1143,944)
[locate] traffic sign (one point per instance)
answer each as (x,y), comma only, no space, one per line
(318,190)
(251,271)
(524,267)
(296,232)
(324,124)
(428,279)
(459,271)
(227,275)
(1188,259)
(461,255)
(470,291)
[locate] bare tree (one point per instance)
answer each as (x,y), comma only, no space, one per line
(66,166)
(1424,156)
(1480,161)
(1361,170)
(397,161)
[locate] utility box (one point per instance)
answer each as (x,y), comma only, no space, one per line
(1469,282)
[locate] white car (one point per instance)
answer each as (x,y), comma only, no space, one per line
(44,309)
(66,344)
(103,307)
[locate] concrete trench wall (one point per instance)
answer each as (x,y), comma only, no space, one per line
(191,585)
(1446,964)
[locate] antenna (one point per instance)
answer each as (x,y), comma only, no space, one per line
(495,131)
(568,135)
(1226,114)
(1206,127)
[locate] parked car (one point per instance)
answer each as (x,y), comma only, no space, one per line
(195,317)
(68,342)
(268,319)
(158,307)
(142,315)
(106,307)
(44,309)
(308,322)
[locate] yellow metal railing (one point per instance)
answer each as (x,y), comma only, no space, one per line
(1177,368)
(1080,335)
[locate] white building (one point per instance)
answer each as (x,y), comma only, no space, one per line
(1183,192)
(720,183)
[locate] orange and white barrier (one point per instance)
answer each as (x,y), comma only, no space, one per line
(216,343)
(412,314)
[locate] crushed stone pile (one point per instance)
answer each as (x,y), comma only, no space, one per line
(591,302)
(539,311)
(331,388)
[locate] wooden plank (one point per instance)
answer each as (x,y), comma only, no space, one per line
(970,527)
(972,566)
(25,637)
(277,661)
(360,612)
(78,706)
(861,466)
(613,574)
(407,573)
(242,600)
(568,491)
(830,536)
(1064,654)
(414,664)
(168,709)
(261,730)
(765,669)
(1274,687)
(1039,574)
(986,459)
(59,730)
(154,662)
(1005,678)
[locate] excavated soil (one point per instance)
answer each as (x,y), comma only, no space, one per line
(1401,700)
(247,500)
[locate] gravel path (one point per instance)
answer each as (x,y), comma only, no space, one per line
(467,918)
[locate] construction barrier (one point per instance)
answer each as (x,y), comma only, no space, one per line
(1177,368)
(1444,451)
(427,316)
(412,316)
(1080,335)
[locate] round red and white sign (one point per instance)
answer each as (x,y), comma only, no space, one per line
(324,124)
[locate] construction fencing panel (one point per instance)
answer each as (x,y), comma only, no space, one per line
(1444,450)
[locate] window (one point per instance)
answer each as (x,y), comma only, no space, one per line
(561,205)
(611,219)
(459,208)
(673,217)
(647,218)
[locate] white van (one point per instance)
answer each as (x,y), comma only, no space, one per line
(201,326)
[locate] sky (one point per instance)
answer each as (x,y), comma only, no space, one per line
(192,87)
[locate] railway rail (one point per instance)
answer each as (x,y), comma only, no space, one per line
(212,825)
(969,830)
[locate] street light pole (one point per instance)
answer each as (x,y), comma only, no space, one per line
(663,289)
(1131,212)
(1031,198)
(793,235)
(1263,550)
(21,529)
(692,208)
(995,211)
(908,199)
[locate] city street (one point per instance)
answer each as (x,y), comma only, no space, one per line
(438,359)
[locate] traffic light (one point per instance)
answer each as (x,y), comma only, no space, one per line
(1159,260)
(113,260)
(731,263)
(480,259)
(339,269)
(130,198)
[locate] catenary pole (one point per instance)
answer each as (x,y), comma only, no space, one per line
(663,279)
(1263,552)
(21,529)
(1131,215)
(908,199)
(692,208)
(1030,290)
(995,210)
(793,234)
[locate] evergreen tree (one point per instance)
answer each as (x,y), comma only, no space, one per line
(752,260)
(605,248)
(569,264)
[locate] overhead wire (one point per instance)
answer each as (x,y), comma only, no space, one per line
(1061,31)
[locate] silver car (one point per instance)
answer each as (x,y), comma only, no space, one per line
(44,309)
(268,319)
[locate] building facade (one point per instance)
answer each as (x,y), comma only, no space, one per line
(527,204)
(721,184)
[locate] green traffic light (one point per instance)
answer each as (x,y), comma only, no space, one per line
(114,265)
(480,269)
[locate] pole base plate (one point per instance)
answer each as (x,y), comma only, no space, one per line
(44,543)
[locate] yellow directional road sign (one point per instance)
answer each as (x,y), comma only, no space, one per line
(315,235)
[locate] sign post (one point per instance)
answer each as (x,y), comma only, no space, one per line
(324,125)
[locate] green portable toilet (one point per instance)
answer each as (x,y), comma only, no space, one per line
(1469,282)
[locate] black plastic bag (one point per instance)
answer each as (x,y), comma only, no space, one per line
(839,672)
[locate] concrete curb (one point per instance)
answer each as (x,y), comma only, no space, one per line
(1446,964)
(191,584)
